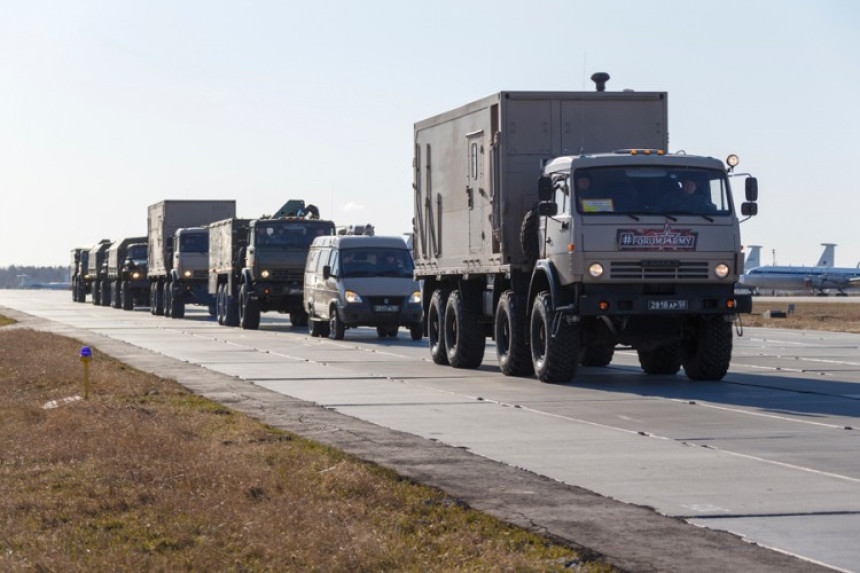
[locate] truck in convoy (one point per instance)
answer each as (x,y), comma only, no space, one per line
(126,272)
(557,224)
(77,271)
(96,275)
(178,253)
(258,265)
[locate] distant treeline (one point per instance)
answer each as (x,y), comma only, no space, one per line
(11,277)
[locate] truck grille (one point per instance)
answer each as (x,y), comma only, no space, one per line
(287,276)
(693,270)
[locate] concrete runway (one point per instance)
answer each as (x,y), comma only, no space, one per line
(769,454)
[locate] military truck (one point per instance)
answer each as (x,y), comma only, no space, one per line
(77,271)
(178,253)
(258,265)
(549,221)
(96,275)
(127,273)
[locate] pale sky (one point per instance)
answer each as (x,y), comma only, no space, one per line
(109,106)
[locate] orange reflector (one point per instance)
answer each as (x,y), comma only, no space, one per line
(730,303)
(570,247)
(632,152)
(265,291)
(603,305)
(660,152)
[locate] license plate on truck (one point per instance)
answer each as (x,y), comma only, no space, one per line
(667,304)
(386,308)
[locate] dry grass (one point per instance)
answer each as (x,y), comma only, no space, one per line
(833,316)
(147,476)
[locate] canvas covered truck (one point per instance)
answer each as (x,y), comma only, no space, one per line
(258,265)
(96,275)
(178,253)
(553,223)
(127,273)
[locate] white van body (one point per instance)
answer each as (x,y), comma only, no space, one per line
(360,280)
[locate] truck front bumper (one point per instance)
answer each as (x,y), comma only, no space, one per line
(679,300)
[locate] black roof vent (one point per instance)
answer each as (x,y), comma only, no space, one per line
(600,79)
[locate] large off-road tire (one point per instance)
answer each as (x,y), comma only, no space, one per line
(315,327)
(97,293)
(598,355)
(706,349)
(554,357)
(436,326)
(127,296)
(664,359)
(464,340)
(416,330)
(529,239)
(298,317)
(335,324)
(510,332)
(177,305)
(219,304)
(156,299)
(105,300)
(249,310)
(231,308)
(168,299)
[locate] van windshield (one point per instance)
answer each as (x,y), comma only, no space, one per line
(376,262)
(651,189)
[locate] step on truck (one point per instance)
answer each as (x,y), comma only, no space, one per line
(557,224)
(127,273)
(258,265)
(96,276)
(178,253)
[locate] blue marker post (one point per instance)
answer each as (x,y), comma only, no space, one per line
(86,356)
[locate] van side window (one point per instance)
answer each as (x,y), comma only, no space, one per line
(313,257)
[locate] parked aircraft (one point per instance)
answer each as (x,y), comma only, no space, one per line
(753,260)
(820,278)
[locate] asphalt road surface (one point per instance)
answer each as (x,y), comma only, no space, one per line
(758,472)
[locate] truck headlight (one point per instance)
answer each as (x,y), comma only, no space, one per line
(135,275)
(721,270)
(351,297)
(595,270)
(264,274)
(186,274)
(416,297)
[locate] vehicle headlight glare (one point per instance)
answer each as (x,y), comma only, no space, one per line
(595,270)
(721,270)
(135,275)
(351,297)
(416,297)
(187,274)
(264,273)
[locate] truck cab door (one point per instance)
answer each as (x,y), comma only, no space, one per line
(557,231)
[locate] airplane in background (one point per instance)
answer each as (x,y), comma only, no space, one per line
(820,278)
(754,259)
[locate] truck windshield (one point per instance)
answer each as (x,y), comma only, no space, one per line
(280,233)
(651,189)
(376,262)
(194,242)
(137,253)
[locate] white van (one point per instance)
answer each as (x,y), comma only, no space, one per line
(361,281)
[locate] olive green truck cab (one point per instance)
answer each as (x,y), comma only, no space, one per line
(129,286)
(557,224)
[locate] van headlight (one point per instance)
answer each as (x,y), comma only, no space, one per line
(721,270)
(351,297)
(595,270)
(416,297)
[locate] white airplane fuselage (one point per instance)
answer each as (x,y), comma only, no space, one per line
(801,278)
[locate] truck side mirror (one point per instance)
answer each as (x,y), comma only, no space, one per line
(752,189)
(326,272)
(545,188)
(749,209)
(547,209)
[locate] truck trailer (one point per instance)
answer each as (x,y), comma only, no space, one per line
(549,221)
(178,253)
(127,273)
(257,265)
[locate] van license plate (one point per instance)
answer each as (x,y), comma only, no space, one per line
(386,308)
(667,304)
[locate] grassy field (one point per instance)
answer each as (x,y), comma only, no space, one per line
(832,316)
(144,475)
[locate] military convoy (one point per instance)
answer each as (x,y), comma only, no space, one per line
(551,223)
(554,223)
(126,273)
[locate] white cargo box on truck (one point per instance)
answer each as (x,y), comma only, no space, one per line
(476,167)
(165,217)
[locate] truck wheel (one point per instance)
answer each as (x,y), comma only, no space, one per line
(706,349)
(335,325)
(105,293)
(219,304)
(315,327)
(177,306)
(127,297)
(436,326)
(599,355)
(97,293)
(249,311)
(529,236)
(514,356)
(231,308)
(554,356)
(464,340)
(157,299)
(298,317)
(664,359)
(416,330)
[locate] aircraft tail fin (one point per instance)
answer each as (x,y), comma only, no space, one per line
(753,260)
(828,256)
